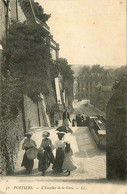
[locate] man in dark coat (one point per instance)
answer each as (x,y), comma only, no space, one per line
(52,118)
(78,120)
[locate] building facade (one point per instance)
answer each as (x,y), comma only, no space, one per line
(95,90)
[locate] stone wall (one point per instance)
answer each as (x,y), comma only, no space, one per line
(116,133)
(16,12)
(11,130)
(2,33)
(35,113)
(31,113)
(12,134)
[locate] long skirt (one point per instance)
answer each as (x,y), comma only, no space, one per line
(66,122)
(28,164)
(68,164)
(59,160)
(45,159)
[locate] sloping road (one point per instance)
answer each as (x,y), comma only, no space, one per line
(89,110)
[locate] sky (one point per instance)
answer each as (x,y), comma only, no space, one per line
(89,31)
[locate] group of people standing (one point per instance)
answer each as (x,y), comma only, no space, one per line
(80,120)
(62,162)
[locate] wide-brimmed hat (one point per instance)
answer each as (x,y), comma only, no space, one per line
(60,134)
(29,134)
(46,134)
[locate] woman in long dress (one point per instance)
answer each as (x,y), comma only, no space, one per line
(27,144)
(66,118)
(68,162)
(59,145)
(45,155)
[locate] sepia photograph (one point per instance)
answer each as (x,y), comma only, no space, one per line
(63,97)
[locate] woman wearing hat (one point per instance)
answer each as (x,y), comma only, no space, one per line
(66,118)
(68,161)
(45,155)
(59,145)
(27,144)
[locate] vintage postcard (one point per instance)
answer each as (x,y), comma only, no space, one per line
(63,97)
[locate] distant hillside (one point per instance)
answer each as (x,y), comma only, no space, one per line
(77,67)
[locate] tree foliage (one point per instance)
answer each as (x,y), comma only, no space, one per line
(39,12)
(96,73)
(120,74)
(26,64)
(67,74)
